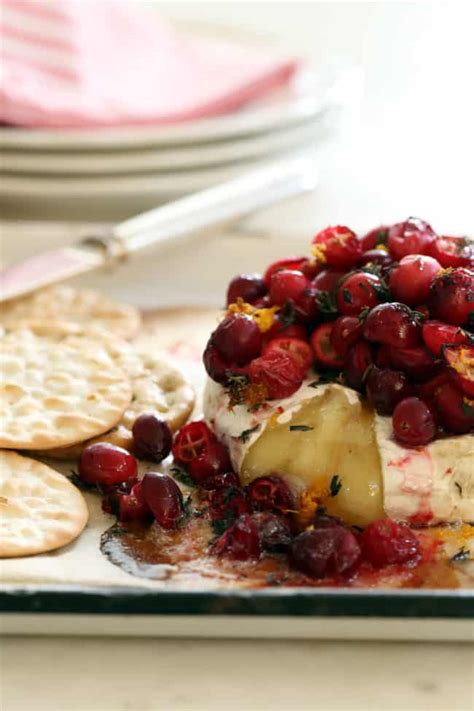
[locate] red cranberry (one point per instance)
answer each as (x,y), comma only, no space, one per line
(437,334)
(270,493)
(410,280)
(287,285)
(337,247)
(291,263)
(358,291)
(413,422)
(105,464)
(238,339)
(324,352)
(375,237)
(192,440)
(452,296)
(307,306)
(221,481)
(394,324)
(127,502)
(418,362)
(453,252)
(249,287)
(212,461)
(164,498)
(240,541)
(386,542)
(298,349)
(325,552)
(413,236)
(226,505)
(377,258)
(428,390)
(357,362)
(152,438)
(385,388)
(278,373)
(460,362)
(274,531)
(456,412)
(346,331)
(327,280)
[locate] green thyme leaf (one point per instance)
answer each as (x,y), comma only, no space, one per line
(287,315)
(335,486)
(182,475)
(246,434)
(461,556)
(300,428)
(458,487)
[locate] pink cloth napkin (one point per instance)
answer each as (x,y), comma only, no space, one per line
(83,64)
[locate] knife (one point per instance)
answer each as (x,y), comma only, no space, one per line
(191,215)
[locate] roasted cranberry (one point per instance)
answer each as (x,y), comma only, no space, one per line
(377,236)
(346,331)
(226,505)
(298,349)
(377,258)
(249,287)
(164,499)
(418,362)
(152,438)
(325,552)
(127,502)
(337,247)
(358,291)
(286,285)
(394,324)
(191,441)
(386,542)
(282,329)
(410,280)
(307,306)
(437,334)
(452,296)
(460,362)
(327,280)
(277,373)
(216,366)
(385,388)
(105,464)
(240,541)
(221,481)
(455,410)
(291,263)
(238,339)
(453,252)
(323,349)
(274,531)
(413,236)
(310,268)
(413,422)
(270,493)
(356,364)
(212,461)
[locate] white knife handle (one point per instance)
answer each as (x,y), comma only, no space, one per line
(218,205)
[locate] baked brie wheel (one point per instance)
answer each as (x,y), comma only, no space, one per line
(333,450)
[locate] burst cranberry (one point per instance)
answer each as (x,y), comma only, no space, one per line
(452,296)
(325,552)
(410,280)
(394,324)
(437,334)
(453,252)
(274,531)
(455,410)
(164,499)
(377,258)
(249,287)
(221,481)
(385,388)
(280,329)
(327,280)
(418,362)
(240,541)
(356,364)
(413,422)
(413,236)
(270,493)
(212,461)
(337,247)
(460,362)
(127,502)
(238,339)
(287,285)
(277,373)
(291,263)
(105,464)
(216,366)
(347,330)
(296,348)
(191,441)
(386,542)
(152,438)
(323,349)
(358,291)
(226,505)
(375,237)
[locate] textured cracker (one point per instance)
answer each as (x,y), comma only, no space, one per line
(57,391)
(40,509)
(81,306)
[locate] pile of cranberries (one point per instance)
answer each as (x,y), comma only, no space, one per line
(390,314)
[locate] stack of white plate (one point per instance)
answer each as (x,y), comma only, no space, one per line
(111,174)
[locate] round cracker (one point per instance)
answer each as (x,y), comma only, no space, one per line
(57,390)
(81,306)
(40,509)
